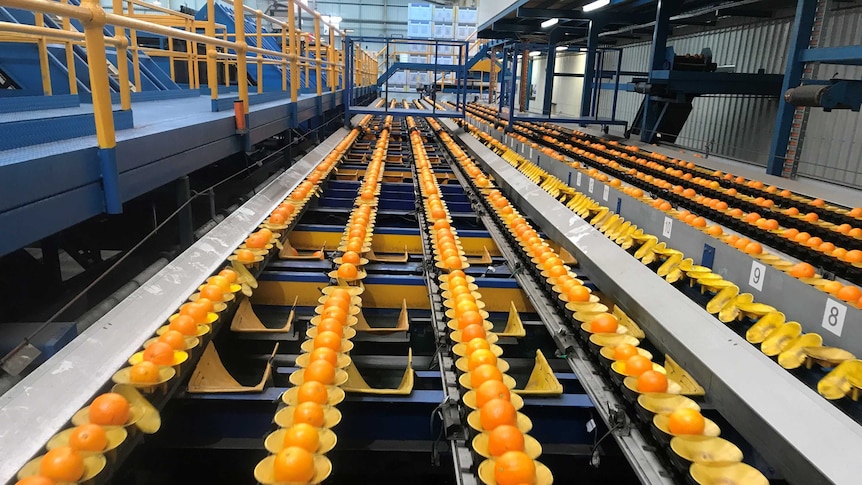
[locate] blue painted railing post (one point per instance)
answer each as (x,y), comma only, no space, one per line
(799,39)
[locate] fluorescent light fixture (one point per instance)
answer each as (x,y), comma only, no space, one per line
(550,23)
(535,53)
(520,56)
(596,5)
(561,48)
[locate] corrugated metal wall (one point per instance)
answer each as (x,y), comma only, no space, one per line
(741,126)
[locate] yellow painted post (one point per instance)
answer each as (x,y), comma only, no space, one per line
(330,58)
(44,67)
(304,47)
(190,58)
(136,65)
(318,68)
(284,50)
(122,53)
(212,67)
(70,56)
(241,69)
(294,50)
(171,58)
(98,67)
(258,18)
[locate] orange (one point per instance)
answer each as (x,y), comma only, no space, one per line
(753,248)
(514,468)
(832,287)
(185,325)
(159,353)
(637,365)
(351,257)
(221,282)
(652,381)
(145,372)
(578,293)
(481,357)
(35,480)
(604,323)
(197,312)
(853,256)
(453,262)
(173,338)
(347,271)
(477,344)
(790,233)
(334,312)
(817,203)
(277,218)
(811,217)
(312,391)
(497,412)
(320,371)
(505,438)
(856,212)
(714,231)
(293,464)
(331,325)
(63,464)
(229,274)
(485,372)
(470,318)
(472,331)
(88,437)
(109,409)
(325,354)
(490,390)
(802,270)
(624,351)
(302,435)
(686,421)
(212,293)
(310,413)
(343,303)
(328,339)
(849,293)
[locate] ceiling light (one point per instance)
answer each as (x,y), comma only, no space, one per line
(549,23)
(562,48)
(596,5)
(519,56)
(535,53)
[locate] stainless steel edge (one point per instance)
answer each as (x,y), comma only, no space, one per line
(801,434)
(41,404)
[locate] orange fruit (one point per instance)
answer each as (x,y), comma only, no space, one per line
(652,381)
(490,390)
(293,464)
(212,293)
(472,331)
(312,391)
(328,339)
(320,371)
(470,318)
(221,282)
(347,271)
(63,464)
(505,438)
(325,354)
(578,293)
(88,437)
(832,287)
(334,312)
(753,248)
(853,256)
(802,270)
(484,373)
(714,231)
(185,325)
(811,217)
(277,218)
(686,421)
(159,353)
(624,351)
(637,365)
(817,203)
(481,357)
(331,325)
(477,344)
(173,338)
(849,293)
(109,409)
(35,480)
(302,435)
(514,468)
(790,233)
(351,257)
(497,412)
(856,212)
(604,323)
(310,413)
(145,372)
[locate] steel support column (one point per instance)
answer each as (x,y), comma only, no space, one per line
(550,67)
(661,31)
(589,68)
(803,23)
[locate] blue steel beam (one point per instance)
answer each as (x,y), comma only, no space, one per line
(590,68)
(800,36)
(847,54)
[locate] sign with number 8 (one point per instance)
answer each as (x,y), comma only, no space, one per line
(833,316)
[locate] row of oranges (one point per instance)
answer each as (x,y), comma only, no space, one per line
(645,377)
(305,426)
(502,429)
(803,270)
